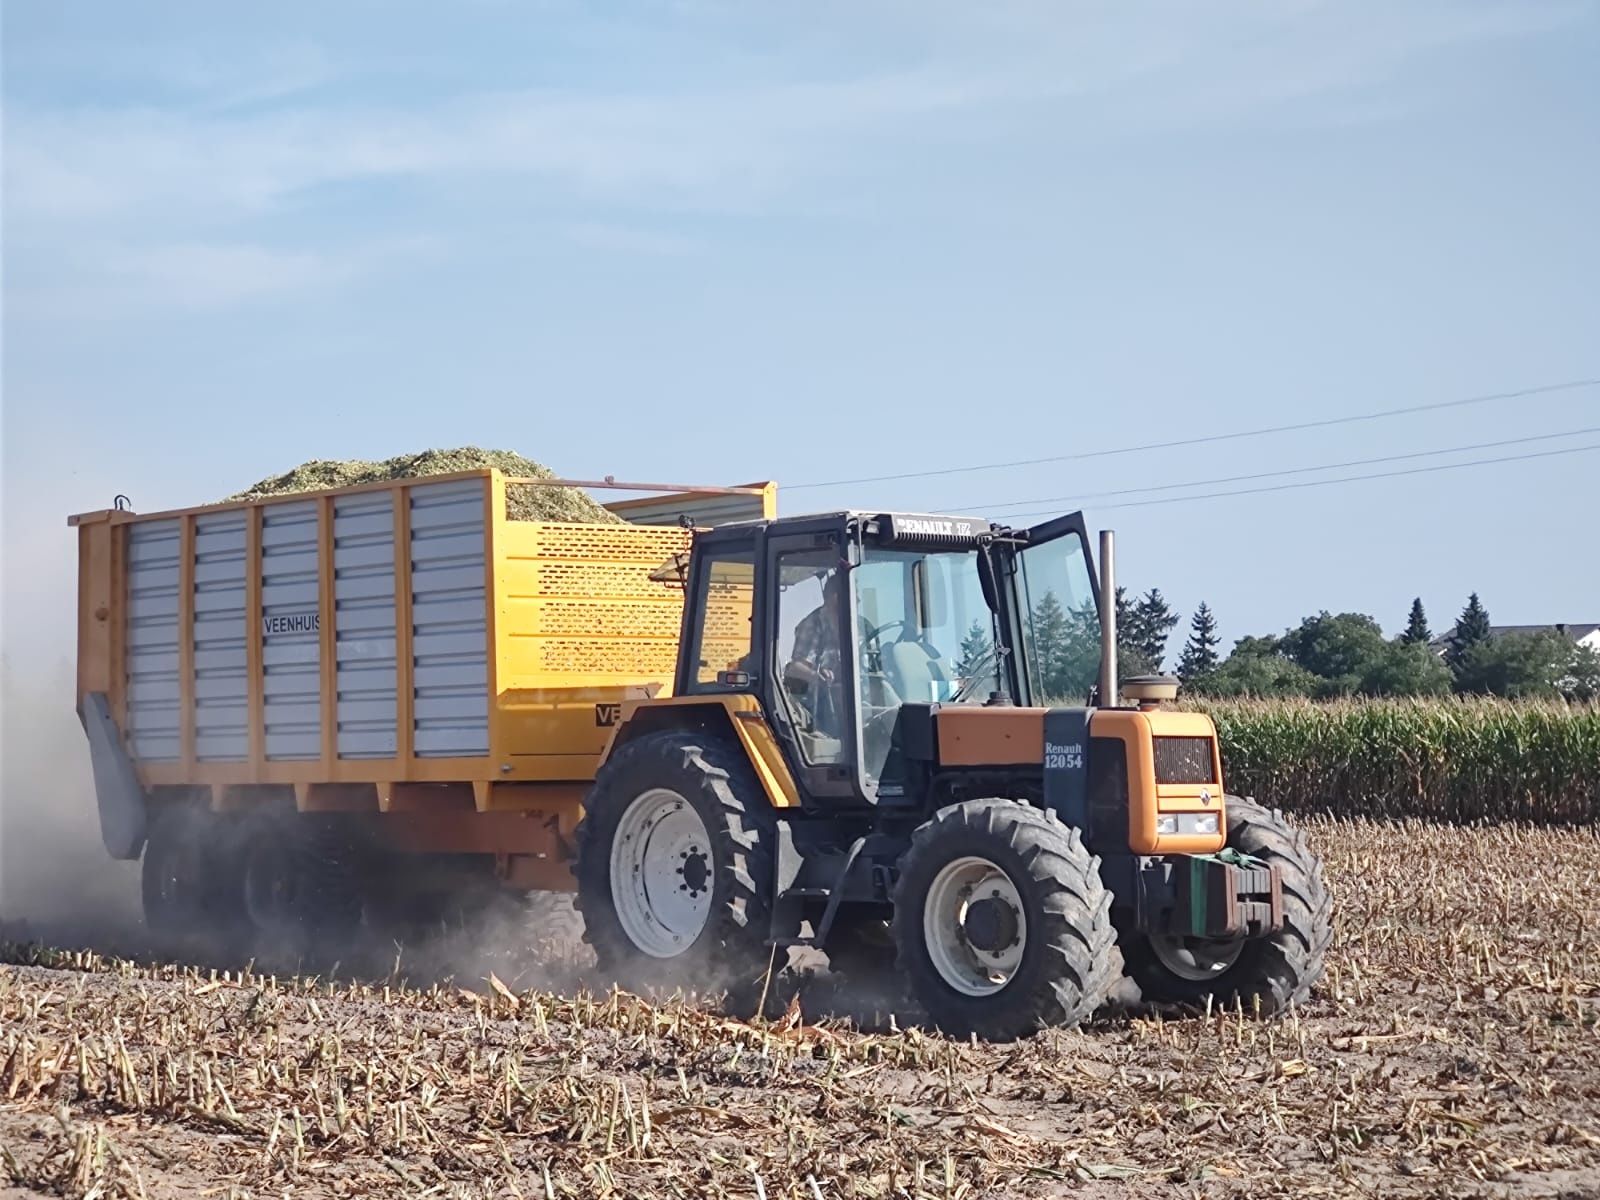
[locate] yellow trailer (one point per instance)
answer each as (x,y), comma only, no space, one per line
(399,648)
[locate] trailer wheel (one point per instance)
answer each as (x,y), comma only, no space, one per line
(556,925)
(674,864)
(1002,922)
(174,878)
(1264,975)
(299,877)
(189,887)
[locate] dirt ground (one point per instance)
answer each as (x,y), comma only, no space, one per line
(1453,1050)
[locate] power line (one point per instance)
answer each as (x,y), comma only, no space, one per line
(1308,483)
(1338,466)
(1569,385)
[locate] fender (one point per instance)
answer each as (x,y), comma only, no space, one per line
(117,788)
(733,712)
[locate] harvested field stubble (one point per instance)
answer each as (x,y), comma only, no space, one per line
(1459,759)
(1454,1050)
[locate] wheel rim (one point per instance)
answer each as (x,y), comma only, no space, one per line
(975,926)
(1195,959)
(661,875)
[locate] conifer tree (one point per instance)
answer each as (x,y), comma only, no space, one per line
(1417,626)
(975,652)
(1153,623)
(1199,656)
(1472,628)
(1051,635)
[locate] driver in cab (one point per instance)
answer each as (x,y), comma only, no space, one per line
(814,660)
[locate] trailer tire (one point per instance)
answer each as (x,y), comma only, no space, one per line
(1268,974)
(1047,928)
(556,925)
(300,880)
(675,865)
(175,876)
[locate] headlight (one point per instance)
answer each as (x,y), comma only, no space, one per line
(1188,824)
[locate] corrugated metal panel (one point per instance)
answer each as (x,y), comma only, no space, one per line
(449,615)
(291,652)
(153,718)
(701,510)
(364,625)
(221,666)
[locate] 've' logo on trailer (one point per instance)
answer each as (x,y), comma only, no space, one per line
(606,715)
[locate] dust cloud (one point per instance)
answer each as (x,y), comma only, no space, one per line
(57,882)
(59,887)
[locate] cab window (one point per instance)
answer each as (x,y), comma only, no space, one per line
(925,638)
(1060,623)
(725,604)
(810,648)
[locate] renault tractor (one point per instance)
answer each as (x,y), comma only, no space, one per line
(901,737)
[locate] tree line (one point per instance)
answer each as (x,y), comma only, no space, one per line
(1347,654)
(1325,656)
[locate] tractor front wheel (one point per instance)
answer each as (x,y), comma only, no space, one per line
(1262,975)
(1002,922)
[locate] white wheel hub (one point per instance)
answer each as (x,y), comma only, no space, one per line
(1195,959)
(974,926)
(661,873)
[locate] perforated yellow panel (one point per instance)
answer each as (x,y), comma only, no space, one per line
(616,618)
(623,544)
(609,661)
(590,581)
(577,606)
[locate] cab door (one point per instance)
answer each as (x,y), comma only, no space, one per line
(810,686)
(1056,597)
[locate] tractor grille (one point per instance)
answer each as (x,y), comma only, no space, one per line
(1184,760)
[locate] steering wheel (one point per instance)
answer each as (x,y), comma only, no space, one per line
(873,635)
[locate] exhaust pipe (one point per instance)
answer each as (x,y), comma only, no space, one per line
(1108,621)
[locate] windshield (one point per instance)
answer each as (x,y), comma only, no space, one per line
(925,635)
(1060,624)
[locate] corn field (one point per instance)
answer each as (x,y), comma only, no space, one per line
(1458,760)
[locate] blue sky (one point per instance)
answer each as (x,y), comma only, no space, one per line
(722,242)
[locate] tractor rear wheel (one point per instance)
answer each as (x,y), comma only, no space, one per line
(1002,922)
(1264,975)
(675,865)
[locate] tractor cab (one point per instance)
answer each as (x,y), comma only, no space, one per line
(849,628)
